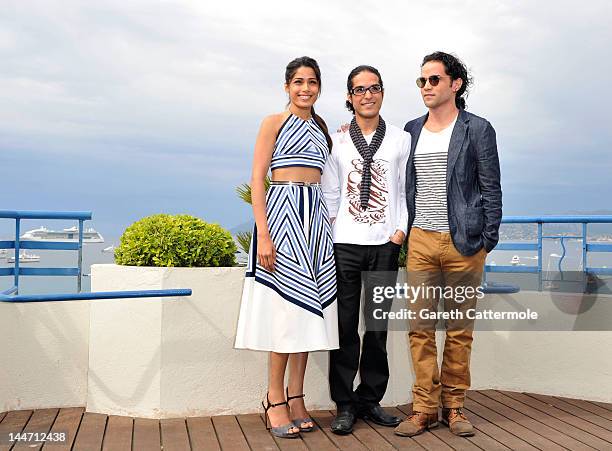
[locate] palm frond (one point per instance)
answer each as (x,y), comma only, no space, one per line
(244,241)
(244,190)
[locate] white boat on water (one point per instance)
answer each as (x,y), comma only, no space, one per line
(24,257)
(110,248)
(67,235)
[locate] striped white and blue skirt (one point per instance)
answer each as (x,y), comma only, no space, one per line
(293,308)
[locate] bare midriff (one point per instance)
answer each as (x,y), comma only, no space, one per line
(296,174)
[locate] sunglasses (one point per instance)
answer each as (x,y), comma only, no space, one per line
(433,80)
(361,90)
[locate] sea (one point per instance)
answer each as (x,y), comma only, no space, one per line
(92,254)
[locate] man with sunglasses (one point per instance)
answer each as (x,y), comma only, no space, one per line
(454,201)
(364,187)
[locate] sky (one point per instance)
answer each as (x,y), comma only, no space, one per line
(131,108)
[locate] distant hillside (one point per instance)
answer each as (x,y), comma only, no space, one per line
(529,231)
(594,212)
(514,231)
(596,229)
(244,227)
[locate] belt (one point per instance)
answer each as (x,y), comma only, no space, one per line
(286,182)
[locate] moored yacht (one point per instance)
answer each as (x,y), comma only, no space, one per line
(24,257)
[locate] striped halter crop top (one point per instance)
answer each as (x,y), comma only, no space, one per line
(300,143)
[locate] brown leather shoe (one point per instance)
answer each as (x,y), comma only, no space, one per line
(416,424)
(457,422)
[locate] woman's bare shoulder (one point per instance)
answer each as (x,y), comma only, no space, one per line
(273,122)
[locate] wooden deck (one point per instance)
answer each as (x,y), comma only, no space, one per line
(503,420)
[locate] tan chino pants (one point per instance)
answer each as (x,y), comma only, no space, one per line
(434,262)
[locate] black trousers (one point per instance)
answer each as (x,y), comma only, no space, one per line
(352,260)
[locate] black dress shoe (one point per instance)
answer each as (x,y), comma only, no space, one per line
(343,423)
(377,415)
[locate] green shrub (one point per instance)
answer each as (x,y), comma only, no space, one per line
(401,260)
(175,240)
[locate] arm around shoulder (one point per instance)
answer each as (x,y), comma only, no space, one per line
(330,182)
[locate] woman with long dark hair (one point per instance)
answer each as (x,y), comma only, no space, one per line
(289,297)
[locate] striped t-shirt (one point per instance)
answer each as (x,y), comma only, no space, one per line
(430,159)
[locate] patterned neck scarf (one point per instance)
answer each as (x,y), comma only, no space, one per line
(367,153)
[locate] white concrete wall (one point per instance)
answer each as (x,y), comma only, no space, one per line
(552,358)
(43,354)
(125,343)
(174,357)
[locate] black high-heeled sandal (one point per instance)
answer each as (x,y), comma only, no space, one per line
(278,431)
(298,421)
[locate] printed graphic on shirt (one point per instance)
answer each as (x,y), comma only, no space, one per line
(379,199)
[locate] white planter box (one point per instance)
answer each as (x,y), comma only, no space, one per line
(167,357)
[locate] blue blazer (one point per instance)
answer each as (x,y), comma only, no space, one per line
(473,188)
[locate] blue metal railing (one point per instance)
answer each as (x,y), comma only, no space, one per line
(12,294)
(587,247)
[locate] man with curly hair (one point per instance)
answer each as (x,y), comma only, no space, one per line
(454,199)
